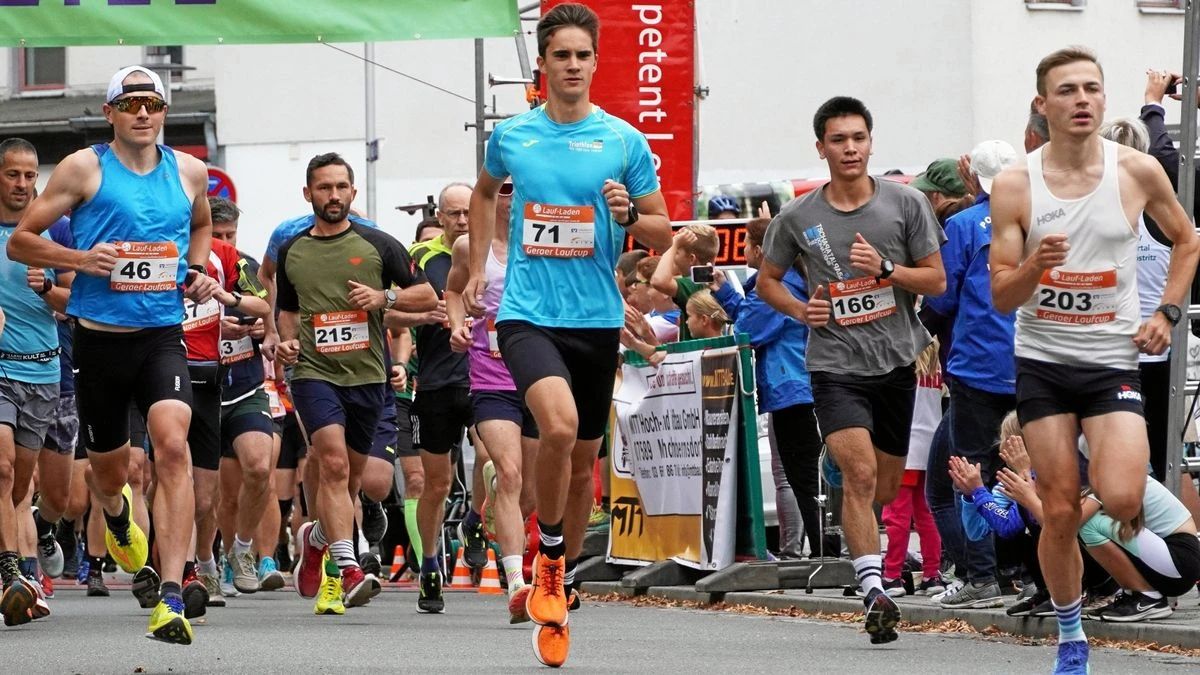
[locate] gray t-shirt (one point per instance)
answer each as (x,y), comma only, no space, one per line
(874,328)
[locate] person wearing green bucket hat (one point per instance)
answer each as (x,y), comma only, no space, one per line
(944,187)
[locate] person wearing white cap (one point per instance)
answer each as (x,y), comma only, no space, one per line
(980,374)
(142,228)
(1064,255)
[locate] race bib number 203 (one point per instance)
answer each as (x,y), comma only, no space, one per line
(1081,298)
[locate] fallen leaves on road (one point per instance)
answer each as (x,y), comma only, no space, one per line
(951,626)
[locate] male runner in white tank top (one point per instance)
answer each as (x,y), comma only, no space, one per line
(1064,254)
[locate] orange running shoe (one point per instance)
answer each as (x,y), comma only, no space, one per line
(551,644)
(547,603)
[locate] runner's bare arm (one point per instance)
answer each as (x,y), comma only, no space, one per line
(196,174)
(74,180)
(926,277)
(481,226)
(266,275)
(288,350)
(663,279)
(60,291)
(1154,335)
(1013,280)
(456,281)
(771,289)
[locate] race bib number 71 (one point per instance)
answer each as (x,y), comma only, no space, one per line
(559,231)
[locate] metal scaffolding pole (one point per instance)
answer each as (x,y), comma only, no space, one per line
(1178,407)
(372,150)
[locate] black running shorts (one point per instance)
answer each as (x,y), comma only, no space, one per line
(585,357)
(881,404)
(439,418)
(143,366)
(292,446)
(1045,389)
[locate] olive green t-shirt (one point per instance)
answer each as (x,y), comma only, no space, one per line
(340,343)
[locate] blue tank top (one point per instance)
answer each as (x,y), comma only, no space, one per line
(29,345)
(149,219)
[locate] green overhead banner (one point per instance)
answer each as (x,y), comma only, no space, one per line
(57,23)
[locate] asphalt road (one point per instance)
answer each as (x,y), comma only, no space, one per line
(277,633)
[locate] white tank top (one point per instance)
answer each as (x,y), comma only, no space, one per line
(1086,311)
(1152,261)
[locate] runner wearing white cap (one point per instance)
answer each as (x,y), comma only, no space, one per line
(142,230)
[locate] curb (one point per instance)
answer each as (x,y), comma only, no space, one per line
(1186,636)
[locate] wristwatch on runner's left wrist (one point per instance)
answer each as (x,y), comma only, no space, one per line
(1172,312)
(886,267)
(632,217)
(390,295)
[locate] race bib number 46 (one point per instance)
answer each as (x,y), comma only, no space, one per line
(1079,298)
(861,300)
(559,231)
(145,266)
(341,331)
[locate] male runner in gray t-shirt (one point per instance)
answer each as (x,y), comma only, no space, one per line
(868,247)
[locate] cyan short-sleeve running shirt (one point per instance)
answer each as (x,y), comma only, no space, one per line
(563,240)
(29,344)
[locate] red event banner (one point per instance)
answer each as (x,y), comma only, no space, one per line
(646,75)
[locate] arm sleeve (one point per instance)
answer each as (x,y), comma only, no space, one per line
(924,234)
(247,278)
(729,299)
(1162,147)
(780,245)
(954,260)
(398,267)
(640,177)
(999,515)
(493,161)
(285,293)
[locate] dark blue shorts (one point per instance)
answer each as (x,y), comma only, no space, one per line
(504,405)
(357,409)
(387,431)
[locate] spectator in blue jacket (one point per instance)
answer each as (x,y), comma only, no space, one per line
(783,385)
(980,369)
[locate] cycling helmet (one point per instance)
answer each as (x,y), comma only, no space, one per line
(722,203)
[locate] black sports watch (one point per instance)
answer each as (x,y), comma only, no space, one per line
(886,267)
(633,216)
(1172,312)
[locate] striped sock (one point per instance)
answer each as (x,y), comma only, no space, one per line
(514,571)
(1070,624)
(342,552)
(869,570)
(316,536)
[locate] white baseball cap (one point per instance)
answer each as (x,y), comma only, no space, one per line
(117,86)
(989,158)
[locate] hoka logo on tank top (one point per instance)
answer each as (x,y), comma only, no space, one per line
(1047,218)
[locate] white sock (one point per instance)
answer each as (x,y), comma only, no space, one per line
(363,545)
(207,566)
(514,571)
(1152,594)
(240,547)
(869,569)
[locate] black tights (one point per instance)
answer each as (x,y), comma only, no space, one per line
(799,445)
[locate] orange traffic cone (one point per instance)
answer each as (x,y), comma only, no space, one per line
(490,584)
(397,564)
(462,573)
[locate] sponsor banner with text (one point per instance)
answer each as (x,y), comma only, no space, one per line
(674,461)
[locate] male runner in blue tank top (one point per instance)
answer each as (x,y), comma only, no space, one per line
(142,231)
(582,178)
(1064,237)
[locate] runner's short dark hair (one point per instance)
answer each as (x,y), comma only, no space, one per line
(840,106)
(16,145)
(223,210)
(428,222)
(562,16)
(322,161)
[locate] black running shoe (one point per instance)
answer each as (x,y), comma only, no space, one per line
(96,587)
(369,562)
(1132,606)
(375,522)
(430,600)
(145,587)
(474,544)
(882,616)
(195,597)
(1025,606)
